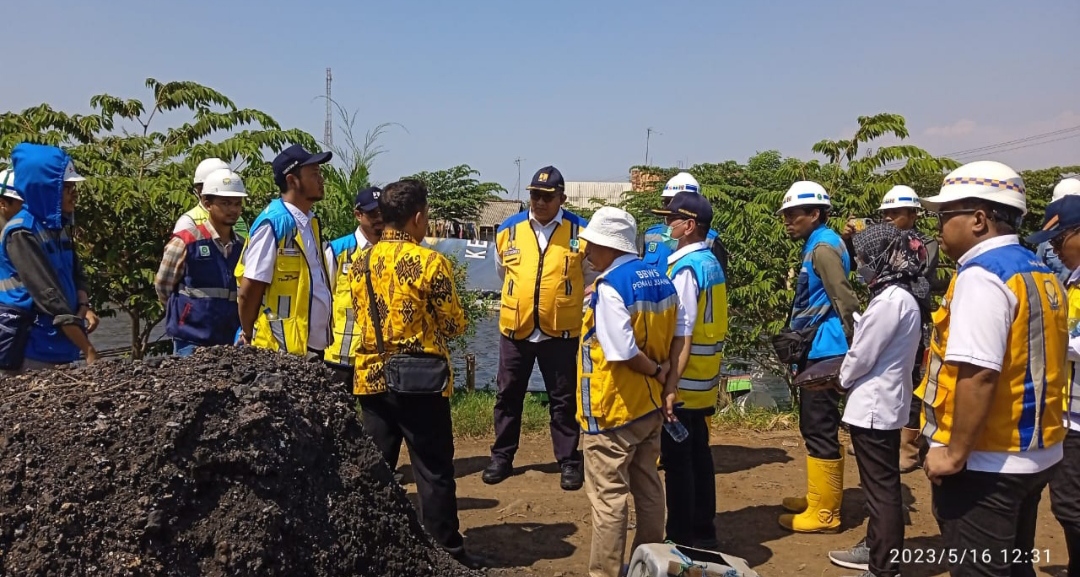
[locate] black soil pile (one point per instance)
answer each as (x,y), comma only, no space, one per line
(235,462)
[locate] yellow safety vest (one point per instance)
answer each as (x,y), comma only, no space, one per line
(1072,393)
(612,394)
(343,351)
(199,215)
(699,386)
(288,295)
(545,288)
(1026,413)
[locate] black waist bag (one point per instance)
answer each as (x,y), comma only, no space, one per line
(792,346)
(14,335)
(406,373)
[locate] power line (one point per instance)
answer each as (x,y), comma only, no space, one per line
(1077,135)
(1015,144)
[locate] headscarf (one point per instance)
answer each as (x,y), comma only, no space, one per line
(889,257)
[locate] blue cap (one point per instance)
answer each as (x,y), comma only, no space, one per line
(367,199)
(689,205)
(292,158)
(548,179)
(1061,215)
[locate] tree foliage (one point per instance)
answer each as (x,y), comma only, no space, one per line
(348,173)
(456,195)
(139,179)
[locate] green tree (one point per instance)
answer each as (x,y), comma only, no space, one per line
(456,195)
(139,177)
(348,173)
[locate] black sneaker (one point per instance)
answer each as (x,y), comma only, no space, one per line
(572,478)
(497,472)
(858,557)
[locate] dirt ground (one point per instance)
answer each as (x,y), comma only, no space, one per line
(527,525)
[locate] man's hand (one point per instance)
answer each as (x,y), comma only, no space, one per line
(849,228)
(939,463)
(91,318)
(671,394)
(664,368)
(91,355)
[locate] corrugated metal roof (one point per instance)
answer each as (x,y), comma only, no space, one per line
(581,193)
(496,211)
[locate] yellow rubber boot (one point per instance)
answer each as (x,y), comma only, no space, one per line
(824,494)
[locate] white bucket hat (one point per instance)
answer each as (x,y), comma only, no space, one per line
(614,228)
(7,184)
(984,180)
(224,183)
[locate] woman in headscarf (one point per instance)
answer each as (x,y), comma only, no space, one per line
(877,376)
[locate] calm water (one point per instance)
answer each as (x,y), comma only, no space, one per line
(115,333)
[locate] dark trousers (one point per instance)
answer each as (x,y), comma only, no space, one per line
(819,421)
(558,365)
(423,422)
(689,481)
(878,456)
(989,513)
(1065,499)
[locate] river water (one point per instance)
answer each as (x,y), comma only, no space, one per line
(114,333)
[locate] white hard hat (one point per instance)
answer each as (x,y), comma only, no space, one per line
(900,196)
(983,180)
(680,182)
(805,193)
(7,184)
(206,167)
(1067,186)
(70,175)
(224,182)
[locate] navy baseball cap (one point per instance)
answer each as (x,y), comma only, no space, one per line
(292,158)
(548,179)
(690,205)
(367,199)
(1061,215)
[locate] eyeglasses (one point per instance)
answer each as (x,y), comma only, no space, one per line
(945,215)
(1059,241)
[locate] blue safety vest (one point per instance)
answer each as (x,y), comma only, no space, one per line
(812,306)
(202,309)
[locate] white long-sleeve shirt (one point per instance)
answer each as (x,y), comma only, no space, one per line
(878,365)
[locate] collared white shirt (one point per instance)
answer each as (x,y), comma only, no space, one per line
(687,288)
(981,313)
(612,318)
(259,259)
(331,261)
(877,368)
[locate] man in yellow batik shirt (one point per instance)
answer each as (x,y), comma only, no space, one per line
(418,313)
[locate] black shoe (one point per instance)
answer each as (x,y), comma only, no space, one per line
(497,472)
(572,478)
(471,561)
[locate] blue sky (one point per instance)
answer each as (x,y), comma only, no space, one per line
(576,84)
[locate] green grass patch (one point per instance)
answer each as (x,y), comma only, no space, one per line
(473,414)
(755,419)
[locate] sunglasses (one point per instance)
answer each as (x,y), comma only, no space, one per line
(945,215)
(544,196)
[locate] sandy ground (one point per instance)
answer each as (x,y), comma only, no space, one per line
(527,525)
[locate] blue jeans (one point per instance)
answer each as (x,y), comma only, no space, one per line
(183,348)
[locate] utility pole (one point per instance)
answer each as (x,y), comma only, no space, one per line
(517,188)
(328,127)
(648,134)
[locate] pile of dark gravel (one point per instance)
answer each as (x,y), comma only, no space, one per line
(234,461)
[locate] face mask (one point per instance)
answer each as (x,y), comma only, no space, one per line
(667,239)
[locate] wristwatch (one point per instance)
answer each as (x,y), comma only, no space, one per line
(659,368)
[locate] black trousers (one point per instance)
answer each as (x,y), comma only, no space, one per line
(819,421)
(878,456)
(1065,499)
(689,481)
(423,422)
(558,365)
(989,513)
